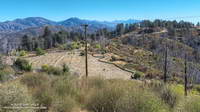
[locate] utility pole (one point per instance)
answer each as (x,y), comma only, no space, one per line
(86,50)
(186,78)
(165,65)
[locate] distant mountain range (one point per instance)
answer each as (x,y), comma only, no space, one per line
(12,31)
(75,23)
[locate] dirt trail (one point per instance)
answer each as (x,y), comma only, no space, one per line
(76,64)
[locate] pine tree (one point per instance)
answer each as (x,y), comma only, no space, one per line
(198,24)
(120,29)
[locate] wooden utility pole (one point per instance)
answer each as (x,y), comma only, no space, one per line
(186,78)
(86,50)
(165,65)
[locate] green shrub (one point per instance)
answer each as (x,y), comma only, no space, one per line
(22,53)
(40,51)
(65,68)
(45,68)
(98,46)
(75,45)
(138,75)
(82,53)
(52,70)
(23,64)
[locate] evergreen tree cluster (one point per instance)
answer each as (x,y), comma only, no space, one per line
(48,40)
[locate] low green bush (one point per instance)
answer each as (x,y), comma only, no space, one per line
(65,68)
(40,51)
(23,64)
(98,46)
(138,75)
(22,53)
(75,45)
(82,53)
(55,70)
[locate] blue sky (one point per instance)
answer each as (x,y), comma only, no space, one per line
(99,9)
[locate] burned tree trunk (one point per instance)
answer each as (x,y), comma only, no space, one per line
(186,78)
(165,64)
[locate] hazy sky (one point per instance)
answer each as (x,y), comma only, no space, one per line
(99,9)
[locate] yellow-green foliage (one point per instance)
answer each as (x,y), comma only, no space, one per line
(75,45)
(98,46)
(56,93)
(40,51)
(97,94)
(124,96)
(22,53)
(52,70)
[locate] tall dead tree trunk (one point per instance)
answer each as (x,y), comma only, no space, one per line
(186,78)
(165,64)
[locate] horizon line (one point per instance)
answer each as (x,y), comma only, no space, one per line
(178,18)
